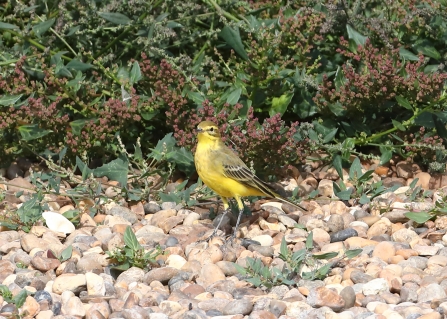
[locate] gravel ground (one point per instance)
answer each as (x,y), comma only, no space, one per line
(400,273)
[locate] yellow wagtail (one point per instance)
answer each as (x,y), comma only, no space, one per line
(225,173)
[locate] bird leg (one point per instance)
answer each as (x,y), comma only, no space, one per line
(218,225)
(233,237)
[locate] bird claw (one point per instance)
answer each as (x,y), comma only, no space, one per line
(209,238)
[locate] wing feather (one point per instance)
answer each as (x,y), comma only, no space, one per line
(242,174)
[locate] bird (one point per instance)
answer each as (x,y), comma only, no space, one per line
(226,174)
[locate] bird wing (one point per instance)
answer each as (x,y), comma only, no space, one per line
(235,168)
(245,176)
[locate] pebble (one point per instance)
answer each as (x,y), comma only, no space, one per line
(322,296)
(344,234)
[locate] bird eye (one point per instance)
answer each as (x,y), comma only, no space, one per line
(212,129)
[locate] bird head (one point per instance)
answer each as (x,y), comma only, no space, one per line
(208,130)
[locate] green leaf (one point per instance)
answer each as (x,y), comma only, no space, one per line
(414,182)
(130,240)
(304,106)
(364,199)
(366,176)
(283,249)
(31,8)
(299,255)
(256,281)
(71,214)
(404,102)
(340,79)
(7,100)
(73,30)
(407,55)
(116,170)
(240,269)
(352,253)
(337,108)
(431,68)
(8,26)
(429,51)
(20,298)
(9,225)
(233,38)
(31,210)
(66,253)
(348,144)
(325,255)
(358,38)
(115,17)
(169,197)
(343,195)
(280,104)
(149,115)
(234,96)
(355,170)
(123,267)
(310,241)
(173,25)
(135,73)
(337,163)
(419,218)
(123,74)
(138,154)
(78,65)
(313,135)
(387,154)
(398,125)
(397,137)
(85,170)
(195,97)
(78,125)
(425,119)
(183,159)
(265,272)
(41,28)
(322,272)
(440,126)
(32,132)
(163,147)
(5,293)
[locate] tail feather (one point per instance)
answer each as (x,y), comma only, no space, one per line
(270,191)
(291,203)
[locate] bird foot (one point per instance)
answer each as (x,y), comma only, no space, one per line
(230,241)
(209,238)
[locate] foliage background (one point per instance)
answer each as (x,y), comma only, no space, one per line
(283,79)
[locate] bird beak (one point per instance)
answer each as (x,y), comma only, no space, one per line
(198,130)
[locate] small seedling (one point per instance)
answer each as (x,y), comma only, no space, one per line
(18,299)
(133,254)
(262,276)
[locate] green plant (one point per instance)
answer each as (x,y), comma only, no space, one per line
(440,209)
(369,78)
(364,190)
(295,261)
(260,275)
(27,214)
(21,265)
(65,254)
(133,254)
(18,299)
